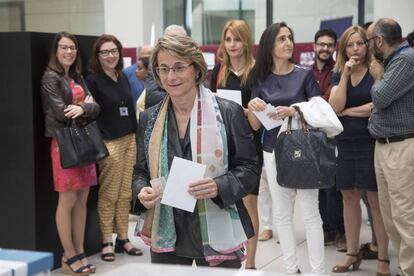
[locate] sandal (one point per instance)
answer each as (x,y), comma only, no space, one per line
(368,253)
(355,264)
(120,248)
(110,256)
(383,274)
(92,268)
(265,235)
(67,268)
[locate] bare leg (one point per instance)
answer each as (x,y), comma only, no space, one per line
(79,221)
(66,203)
(250,201)
(381,235)
(352,220)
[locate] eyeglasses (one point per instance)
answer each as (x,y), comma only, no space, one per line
(66,48)
(358,44)
(105,53)
(323,45)
(369,39)
(178,69)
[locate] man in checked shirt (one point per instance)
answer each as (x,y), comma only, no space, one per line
(392,124)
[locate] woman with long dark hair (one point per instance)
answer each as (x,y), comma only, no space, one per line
(277,80)
(65,97)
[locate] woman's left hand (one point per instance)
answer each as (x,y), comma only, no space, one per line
(204,188)
(73,111)
(281,112)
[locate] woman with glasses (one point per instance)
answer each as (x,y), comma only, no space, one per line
(278,81)
(117,123)
(351,99)
(232,72)
(65,97)
(193,124)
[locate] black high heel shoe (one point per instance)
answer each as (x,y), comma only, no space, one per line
(120,248)
(67,268)
(110,256)
(92,268)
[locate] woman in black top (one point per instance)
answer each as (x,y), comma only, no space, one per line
(236,61)
(117,123)
(351,99)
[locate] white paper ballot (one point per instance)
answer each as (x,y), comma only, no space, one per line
(158,183)
(232,95)
(266,121)
(209,58)
(182,173)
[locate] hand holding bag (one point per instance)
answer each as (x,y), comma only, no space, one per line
(80,145)
(305,158)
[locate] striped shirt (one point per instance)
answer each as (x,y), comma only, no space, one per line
(393,96)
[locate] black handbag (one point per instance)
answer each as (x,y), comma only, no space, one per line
(80,145)
(305,158)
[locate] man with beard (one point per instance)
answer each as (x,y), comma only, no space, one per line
(330,200)
(410,39)
(324,46)
(392,125)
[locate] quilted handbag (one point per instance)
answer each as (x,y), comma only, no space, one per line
(305,158)
(80,145)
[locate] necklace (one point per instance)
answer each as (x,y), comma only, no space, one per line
(236,72)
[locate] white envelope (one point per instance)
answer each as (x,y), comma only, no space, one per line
(232,95)
(182,173)
(266,121)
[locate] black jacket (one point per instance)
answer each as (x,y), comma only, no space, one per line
(242,177)
(56,96)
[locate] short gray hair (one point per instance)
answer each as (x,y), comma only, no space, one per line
(389,29)
(175,30)
(184,48)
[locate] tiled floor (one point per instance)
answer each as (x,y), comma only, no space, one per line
(268,259)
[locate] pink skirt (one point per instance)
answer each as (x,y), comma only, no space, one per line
(71,179)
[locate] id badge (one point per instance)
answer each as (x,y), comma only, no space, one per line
(123,111)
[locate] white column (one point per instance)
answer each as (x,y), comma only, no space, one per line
(131,20)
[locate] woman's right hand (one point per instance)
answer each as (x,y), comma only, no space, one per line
(256,104)
(351,64)
(149,197)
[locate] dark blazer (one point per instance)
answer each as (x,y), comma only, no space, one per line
(242,176)
(56,95)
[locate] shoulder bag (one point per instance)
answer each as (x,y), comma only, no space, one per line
(80,145)
(305,158)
